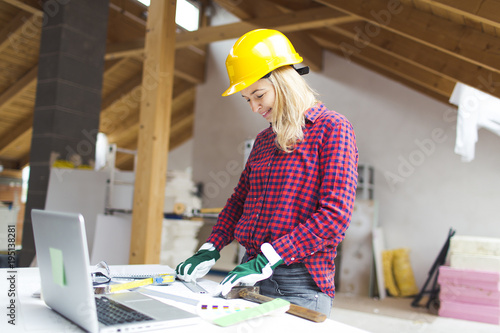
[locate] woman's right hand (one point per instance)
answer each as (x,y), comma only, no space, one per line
(199,264)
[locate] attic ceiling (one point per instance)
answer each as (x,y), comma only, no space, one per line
(427,45)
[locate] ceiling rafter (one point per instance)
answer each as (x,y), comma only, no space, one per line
(458,40)
(288,22)
(392,63)
(15,26)
(19,87)
(29,6)
(479,10)
(421,55)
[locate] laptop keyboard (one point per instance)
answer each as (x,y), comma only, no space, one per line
(110,312)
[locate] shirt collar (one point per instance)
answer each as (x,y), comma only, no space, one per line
(313,113)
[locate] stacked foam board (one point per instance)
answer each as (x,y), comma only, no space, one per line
(470,286)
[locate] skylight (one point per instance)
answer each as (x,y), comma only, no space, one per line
(186,14)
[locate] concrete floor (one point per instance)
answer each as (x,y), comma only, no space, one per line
(396,315)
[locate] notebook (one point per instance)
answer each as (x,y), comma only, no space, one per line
(63,260)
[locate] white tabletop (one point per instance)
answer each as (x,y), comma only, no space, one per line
(32,315)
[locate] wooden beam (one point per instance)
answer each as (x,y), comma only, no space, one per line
(125,49)
(189,61)
(420,55)
(239,9)
(288,22)
(19,144)
(15,26)
(393,64)
(190,65)
(291,23)
(484,11)
(154,131)
(128,126)
(308,49)
(19,87)
(368,64)
(32,6)
(455,39)
(12,173)
(21,130)
(122,130)
(186,97)
(131,9)
(304,45)
(182,132)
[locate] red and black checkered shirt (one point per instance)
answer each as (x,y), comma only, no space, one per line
(300,202)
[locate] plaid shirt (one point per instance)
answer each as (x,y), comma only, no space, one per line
(300,202)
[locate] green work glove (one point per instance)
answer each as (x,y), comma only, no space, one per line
(253,271)
(199,264)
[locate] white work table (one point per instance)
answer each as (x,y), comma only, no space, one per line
(32,315)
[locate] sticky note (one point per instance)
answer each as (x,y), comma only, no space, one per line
(273,306)
(58,273)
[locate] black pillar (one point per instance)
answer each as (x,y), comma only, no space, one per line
(68,96)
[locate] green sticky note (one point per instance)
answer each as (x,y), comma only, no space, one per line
(58,273)
(260,310)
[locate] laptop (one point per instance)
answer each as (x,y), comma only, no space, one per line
(65,274)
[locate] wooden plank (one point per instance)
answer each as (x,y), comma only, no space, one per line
(154,131)
(466,43)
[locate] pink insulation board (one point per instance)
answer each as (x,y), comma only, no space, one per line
(469,294)
(473,312)
(488,280)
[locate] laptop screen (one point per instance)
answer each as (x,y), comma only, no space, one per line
(63,260)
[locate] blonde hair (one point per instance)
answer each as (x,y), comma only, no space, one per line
(293,98)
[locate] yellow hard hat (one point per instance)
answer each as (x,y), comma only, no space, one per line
(255,54)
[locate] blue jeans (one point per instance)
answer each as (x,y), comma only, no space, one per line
(293,283)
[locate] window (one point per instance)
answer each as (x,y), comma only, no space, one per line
(187,14)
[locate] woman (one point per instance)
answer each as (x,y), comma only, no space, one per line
(294,200)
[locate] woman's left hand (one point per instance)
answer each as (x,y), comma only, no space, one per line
(247,274)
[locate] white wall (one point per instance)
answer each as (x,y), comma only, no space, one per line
(181,158)
(399,131)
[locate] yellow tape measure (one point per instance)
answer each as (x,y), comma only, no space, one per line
(155,280)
